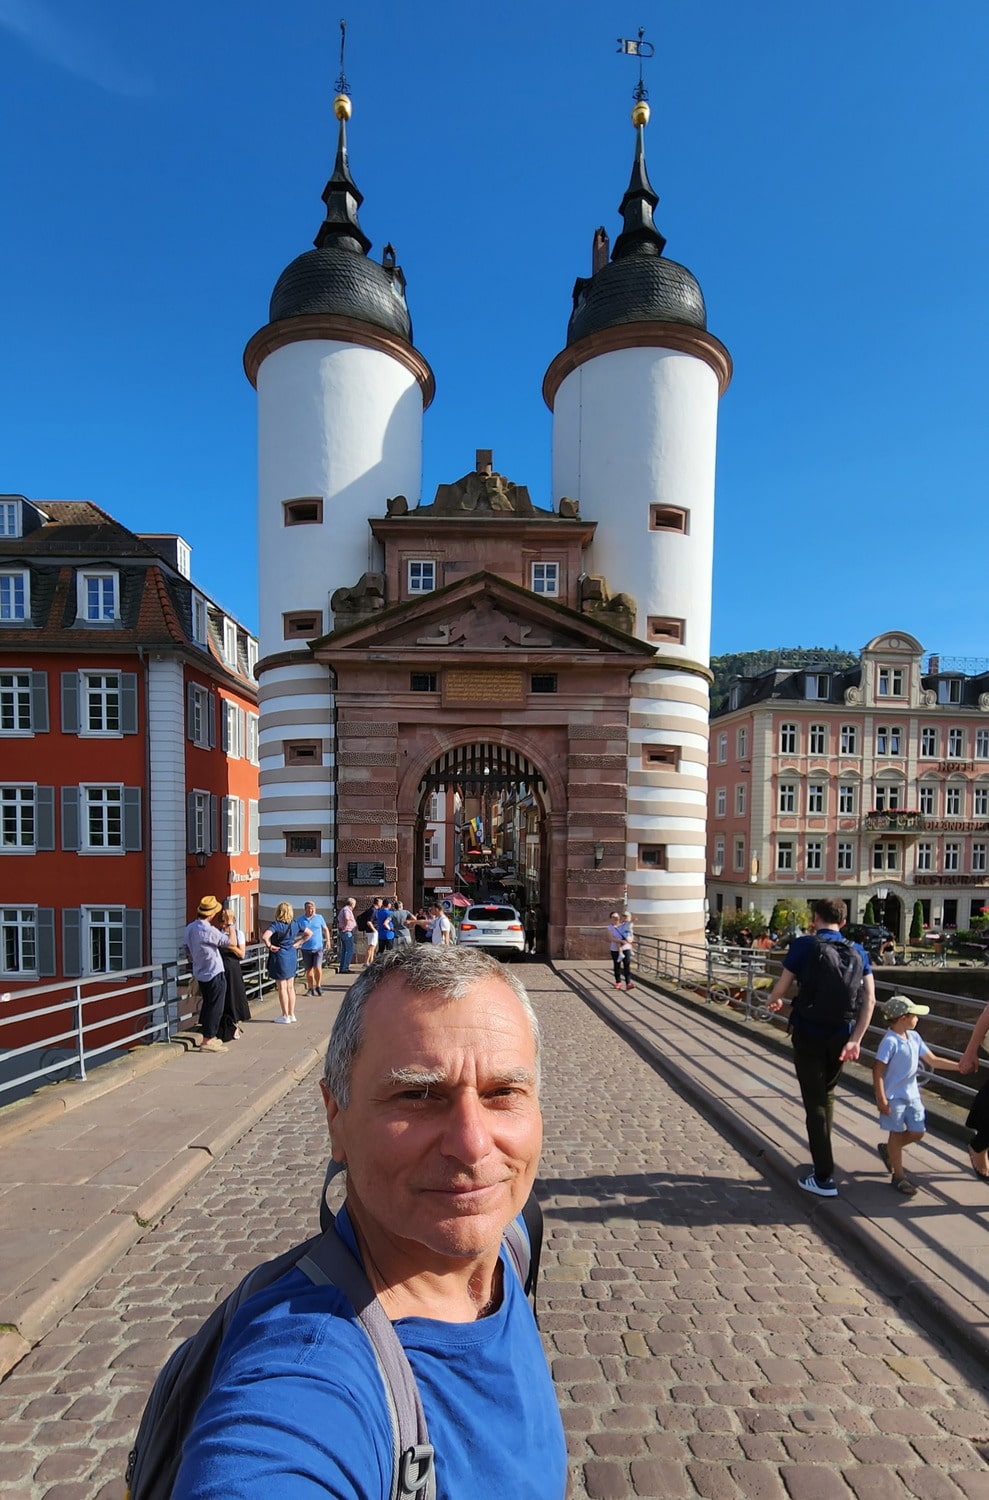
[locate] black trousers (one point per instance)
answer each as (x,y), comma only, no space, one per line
(817,1061)
(214,995)
(623,966)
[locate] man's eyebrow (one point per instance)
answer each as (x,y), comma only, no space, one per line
(416,1077)
(515,1075)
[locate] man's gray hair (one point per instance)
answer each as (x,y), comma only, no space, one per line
(450,973)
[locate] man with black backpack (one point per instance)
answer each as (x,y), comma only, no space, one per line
(431,1088)
(828,1019)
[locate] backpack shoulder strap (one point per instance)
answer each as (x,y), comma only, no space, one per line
(329,1262)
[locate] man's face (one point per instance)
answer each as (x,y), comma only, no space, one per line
(443,1130)
(309,909)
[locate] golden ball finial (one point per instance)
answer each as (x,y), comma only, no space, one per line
(342,107)
(640,113)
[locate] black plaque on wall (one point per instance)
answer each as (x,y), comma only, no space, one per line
(365,872)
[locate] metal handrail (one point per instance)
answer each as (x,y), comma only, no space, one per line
(744,977)
(162,1008)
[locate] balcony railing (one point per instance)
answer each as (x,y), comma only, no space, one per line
(898,820)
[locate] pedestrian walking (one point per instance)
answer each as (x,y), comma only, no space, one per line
(620,939)
(313,948)
(346,928)
(283,939)
(828,1019)
(894,1078)
(441,928)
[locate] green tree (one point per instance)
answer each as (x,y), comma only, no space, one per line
(869,915)
(917,922)
(734,921)
(789,916)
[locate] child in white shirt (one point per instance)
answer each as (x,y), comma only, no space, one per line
(894,1078)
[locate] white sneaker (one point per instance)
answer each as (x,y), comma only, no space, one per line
(293,1019)
(283,1020)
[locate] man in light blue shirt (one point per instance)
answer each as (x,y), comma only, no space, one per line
(313,949)
(204,942)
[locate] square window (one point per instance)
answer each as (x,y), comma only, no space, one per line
(890,682)
(17,817)
(422,682)
(100,705)
(303,753)
(421,576)
(10,518)
(818,685)
(98,598)
(661,757)
(666,628)
(668,518)
(15,702)
(15,596)
(19,940)
(949,690)
(652,857)
(302,625)
(543,682)
(784,855)
(545,578)
(844,862)
(302,845)
(307,511)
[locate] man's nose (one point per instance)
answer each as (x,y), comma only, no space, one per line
(466,1135)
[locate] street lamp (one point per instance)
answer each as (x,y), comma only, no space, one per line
(598,855)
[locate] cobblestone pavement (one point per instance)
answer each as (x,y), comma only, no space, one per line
(704,1339)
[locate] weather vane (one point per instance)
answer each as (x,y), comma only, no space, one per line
(637,47)
(341,85)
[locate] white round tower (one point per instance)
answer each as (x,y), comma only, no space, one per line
(341,393)
(634,396)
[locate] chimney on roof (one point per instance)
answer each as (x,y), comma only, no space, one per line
(934,665)
(600,250)
(484,460)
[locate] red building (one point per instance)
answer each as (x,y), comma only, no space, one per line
(128,746)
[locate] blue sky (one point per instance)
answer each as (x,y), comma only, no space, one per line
(821,170)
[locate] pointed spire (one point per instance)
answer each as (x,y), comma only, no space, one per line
(342,196)
(640,235)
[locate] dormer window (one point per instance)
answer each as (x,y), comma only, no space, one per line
(230,642)
(15,596)
(949,690)
(10,518)
(99,598)
(546,578)
(818,686)
(200,620)
(421,576)
(889,682)
(734,695)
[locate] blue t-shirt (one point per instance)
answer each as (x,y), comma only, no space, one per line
(317,927)
(901,1054)
(297,1410)
(796,957)
(383,922)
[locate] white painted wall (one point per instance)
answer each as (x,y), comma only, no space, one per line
(343,422)
(166,736)
(633,428)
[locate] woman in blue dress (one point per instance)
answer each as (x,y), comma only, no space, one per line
(283,938)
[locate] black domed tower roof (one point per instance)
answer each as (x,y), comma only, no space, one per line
(337,277)
(639,284)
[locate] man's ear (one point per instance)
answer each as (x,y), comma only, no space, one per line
(334,1122)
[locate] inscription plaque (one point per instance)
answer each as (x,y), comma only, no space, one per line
(475,685)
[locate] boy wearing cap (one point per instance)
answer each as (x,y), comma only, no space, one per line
(894,1078)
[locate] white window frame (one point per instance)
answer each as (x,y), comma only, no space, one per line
(818,686)
(722,757)
(15,603)
(849,739)
(953,801)
(252,748)
(200,722)
(233,716)
(786,802)
(237,905)
(200,620)
(110,921)
(814,857)
(949,690)
(928,742)
(844,858)
(980,795)
(721,802)
(230,641)
(110,686)
(927,798)
(889,682)
(100,577)
(19,702)
(788,739)
(952,857)
(924,856)
(889,739)
(742,743)
(719,852)
(817,739)
(738,854)
(107,796)
(784,855)
(982,744)
(252,655)
(846,798)
(885,855)
(979,853)
(956,744)
(420,575)
(544,578)
(740,799)
(431,851)
(10,518)
(20,799)
(887,796)
(817,794)
(253,827)
(233,830)
(23,922)
(201,823)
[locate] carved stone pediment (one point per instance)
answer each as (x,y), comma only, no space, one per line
(484,624)
(481,494)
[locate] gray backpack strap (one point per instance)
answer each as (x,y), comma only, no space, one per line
(329,1262)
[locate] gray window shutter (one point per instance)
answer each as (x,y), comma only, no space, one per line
(70,819)
(225,824)
(71,941)
(44,817)
(225,727)
(45,928)
(39,702)
(70,702)
(190,823)
(190,711)
(132,817)
(212,720)
(214,842)
(133,939)
(128,702)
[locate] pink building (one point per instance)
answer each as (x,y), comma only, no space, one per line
(867,782)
